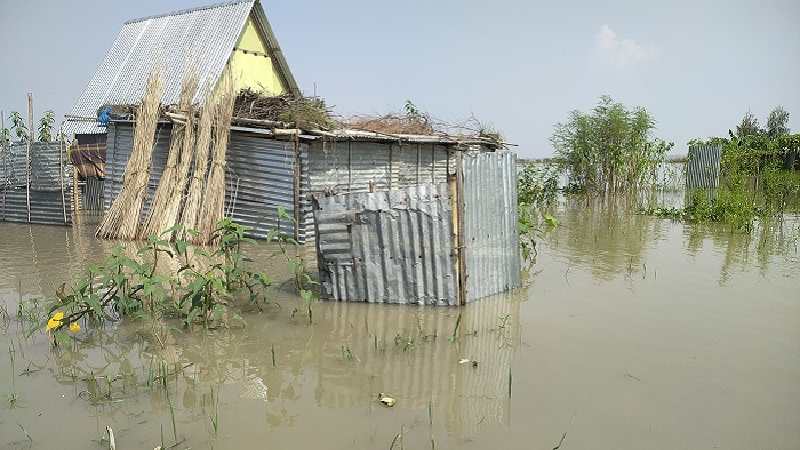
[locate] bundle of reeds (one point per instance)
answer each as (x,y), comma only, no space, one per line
(166,202)
(194,198)
(214,201)
(122,218)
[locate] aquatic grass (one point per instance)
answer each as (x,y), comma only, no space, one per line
(25,432)
(12,395)
(347,353)
(454,336)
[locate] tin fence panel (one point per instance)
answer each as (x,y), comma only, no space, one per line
(50,184)
(491,238)
(387,247)
(703,166)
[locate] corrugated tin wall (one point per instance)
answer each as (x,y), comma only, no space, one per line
(50,170)
(387,247)
(264,171)
(703,166)
(491,238)
(259,176)
(353,166)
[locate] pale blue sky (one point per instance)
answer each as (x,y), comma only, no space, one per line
(520,65)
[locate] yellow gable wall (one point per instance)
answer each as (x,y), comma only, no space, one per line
(250,65)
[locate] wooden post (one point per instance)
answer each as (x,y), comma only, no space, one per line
(76,196)
(3,150)
(61,177)
(459,226)
(391,165)
(28,157)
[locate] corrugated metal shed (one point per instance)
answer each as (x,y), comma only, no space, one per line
(199,40)
(387,247)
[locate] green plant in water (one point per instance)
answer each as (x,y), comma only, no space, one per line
(756,181)
(303,282)
(199,291)
(12,395)
(537,190)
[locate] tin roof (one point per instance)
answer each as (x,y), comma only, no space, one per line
(200,39)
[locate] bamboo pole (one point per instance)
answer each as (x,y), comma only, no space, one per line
(61,178)
(460,241)
(28,157)
(4,149)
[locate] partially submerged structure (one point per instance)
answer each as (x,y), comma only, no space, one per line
(456,194)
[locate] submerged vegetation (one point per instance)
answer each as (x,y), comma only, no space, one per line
(537,191)
(758,180)
(610,149)
(195,284)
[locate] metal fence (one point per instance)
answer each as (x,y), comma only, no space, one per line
(441,244)
(703,166)
(50,189)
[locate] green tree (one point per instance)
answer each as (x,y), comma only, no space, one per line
(777,122)
(748,126)
(610,148)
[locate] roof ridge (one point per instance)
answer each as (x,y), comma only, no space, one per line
(189,10)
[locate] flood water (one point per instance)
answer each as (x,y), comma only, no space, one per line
(632,333)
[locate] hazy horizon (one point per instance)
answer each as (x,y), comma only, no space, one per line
(696,66)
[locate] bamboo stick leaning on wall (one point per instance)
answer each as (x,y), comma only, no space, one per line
(163,213)
(214,201)
(121,221)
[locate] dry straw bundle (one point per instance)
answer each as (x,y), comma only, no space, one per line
(122,219)
(194,200)
(166,202)
(214,201)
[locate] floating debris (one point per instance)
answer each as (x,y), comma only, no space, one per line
(386,400)
(471,362)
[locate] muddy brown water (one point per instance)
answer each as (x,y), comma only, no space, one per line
(633,333)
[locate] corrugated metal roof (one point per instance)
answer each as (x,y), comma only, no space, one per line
(199,39)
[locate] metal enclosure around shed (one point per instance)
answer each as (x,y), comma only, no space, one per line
(440,244)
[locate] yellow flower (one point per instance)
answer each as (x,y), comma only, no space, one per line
(55,321)
(74,327)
